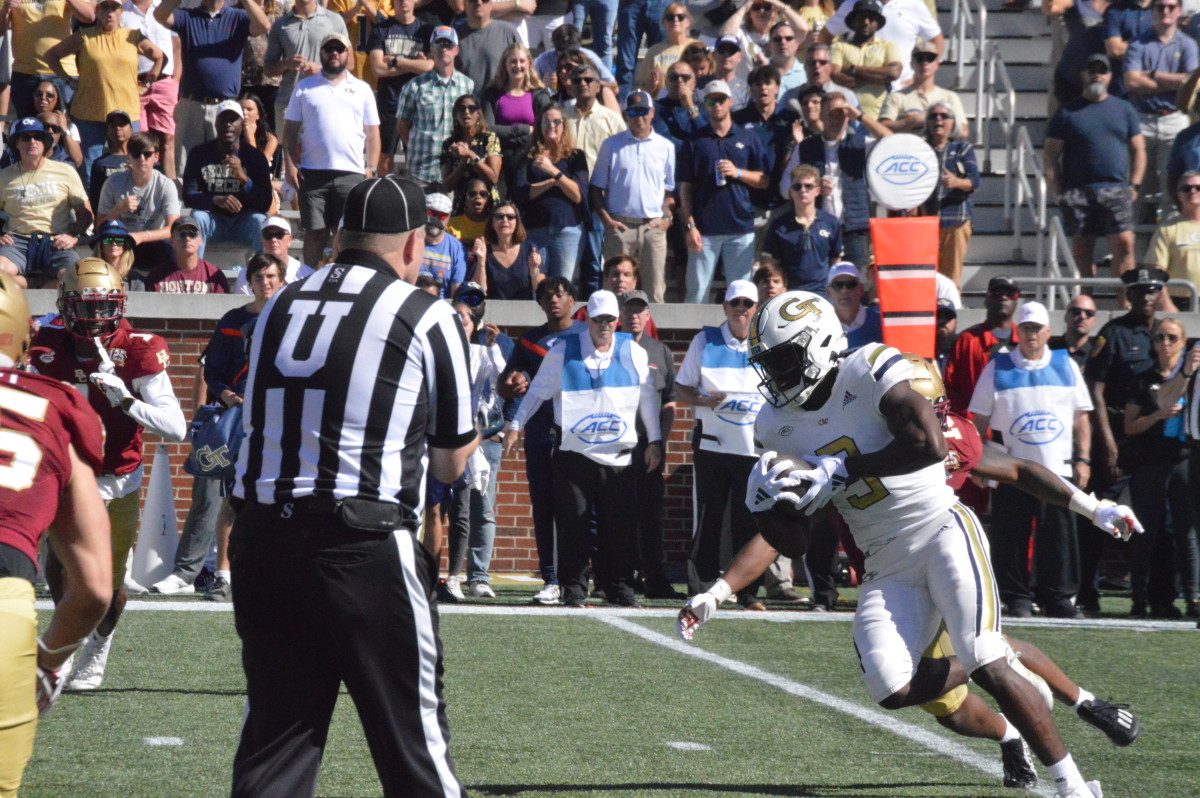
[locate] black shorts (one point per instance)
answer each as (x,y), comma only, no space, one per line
(1097,210)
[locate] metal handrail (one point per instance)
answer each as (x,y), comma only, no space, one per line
(1030,194)
(1101,282)
(1058,242)
(968,23)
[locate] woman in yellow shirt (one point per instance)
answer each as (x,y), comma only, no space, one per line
(107,58)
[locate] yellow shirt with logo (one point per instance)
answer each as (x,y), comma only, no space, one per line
(40,201)
(1176,248)
(38,25)
(875,53)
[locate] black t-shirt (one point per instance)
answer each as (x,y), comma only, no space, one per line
(662,369)
(400,40)
(1164,442)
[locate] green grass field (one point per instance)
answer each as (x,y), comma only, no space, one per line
(600,703)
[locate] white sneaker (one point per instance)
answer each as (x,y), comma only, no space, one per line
(1038,682)
(90,672)
(482,590)
(1090,790)
(454,586)
(132,588)
(171,586)
(548,596)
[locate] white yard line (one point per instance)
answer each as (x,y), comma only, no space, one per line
(163,741)
(891,722)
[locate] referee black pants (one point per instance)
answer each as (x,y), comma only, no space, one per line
(317,605)
(583,487)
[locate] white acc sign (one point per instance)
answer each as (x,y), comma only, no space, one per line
(902,171)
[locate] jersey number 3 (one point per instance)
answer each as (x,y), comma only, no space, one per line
(864,491)
(20,454)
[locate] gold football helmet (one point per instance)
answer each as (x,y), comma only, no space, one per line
(15,329)
(91,299)
(928,382)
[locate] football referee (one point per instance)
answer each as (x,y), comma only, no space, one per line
(358,393)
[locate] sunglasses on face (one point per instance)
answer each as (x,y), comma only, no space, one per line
(1189,188)
(741,304)
(925,58)
(1097,69)
(804,186)
(333,48)
(552,123)
(583,81)
(477,195)
(760,8)
(1087,314)
(273,235)
(437,214)
(937,116)
(780,39)
(1166,338)
(1004,293)
(55,129)
(678,77)
(111,241)
(727,51)
(45,95)
(637,113)
(143,155)
(468,109)
(504,217)
(844,285)
(25,138)
(676,18)
(188,233)
(603,321)
(712,102)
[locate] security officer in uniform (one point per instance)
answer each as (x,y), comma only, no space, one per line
(717,380)
(600,384)
(358,393)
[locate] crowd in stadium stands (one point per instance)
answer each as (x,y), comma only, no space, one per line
(695,152)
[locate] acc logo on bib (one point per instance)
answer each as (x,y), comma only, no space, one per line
(599,428)
(741,412)
(1036,428)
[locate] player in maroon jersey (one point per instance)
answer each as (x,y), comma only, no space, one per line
(122,374)
(50,446)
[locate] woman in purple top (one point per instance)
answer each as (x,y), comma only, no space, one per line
(514,101)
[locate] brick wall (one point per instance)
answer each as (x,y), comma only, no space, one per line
(514,549)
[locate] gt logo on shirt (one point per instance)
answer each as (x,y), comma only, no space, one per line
(599,428)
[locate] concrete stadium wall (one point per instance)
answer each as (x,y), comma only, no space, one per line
(187,323)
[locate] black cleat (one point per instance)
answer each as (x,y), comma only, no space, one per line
(1018,767)
(1115,720)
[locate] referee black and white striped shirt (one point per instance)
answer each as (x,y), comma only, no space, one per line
(353,372)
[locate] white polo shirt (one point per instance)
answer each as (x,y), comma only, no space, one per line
(333,119)
(635,173)
(1032,404)
(153,30)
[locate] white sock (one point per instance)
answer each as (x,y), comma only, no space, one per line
(1084,695)
(1010,732)
(224,575)
(1065,775)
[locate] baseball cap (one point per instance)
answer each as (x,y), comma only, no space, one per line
(717,87)
(187,220)
(1003,283)
(113,228)
(741,289)
(638,100)
(391,204)
(120,117)
(33,125)
(923,46)
(337,37)
(727,41)
(843,269)
(232,106)
(438,202)
(603,303)
(276,221)
(636,295)
(471,294)
(1152,277)
(1098,58)
(444,33)
(945,307)
(1032,313)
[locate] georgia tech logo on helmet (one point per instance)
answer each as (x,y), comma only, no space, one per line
(797,308)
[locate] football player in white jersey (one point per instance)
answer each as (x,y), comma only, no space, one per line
(861,436)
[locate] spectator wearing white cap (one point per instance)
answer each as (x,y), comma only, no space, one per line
(277,241)
(294,44)
(330,140)
(445,260)
(227,184)
(717,380)
(1036,404)
(600,384)
(845,289)
(144,199)
(717,170)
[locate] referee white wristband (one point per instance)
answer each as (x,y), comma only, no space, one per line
(720,590)
(1084,503)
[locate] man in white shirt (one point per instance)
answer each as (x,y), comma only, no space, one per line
(907,21)
(331,121)
(277,241)
(161,96)
(1036,403)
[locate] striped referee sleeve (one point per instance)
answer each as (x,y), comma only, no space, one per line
(447,371)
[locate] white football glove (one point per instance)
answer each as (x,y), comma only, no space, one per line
(768,485)
(695,614)
(49,687)
(106,364)
(112,385)
(1116,519)
(828,476)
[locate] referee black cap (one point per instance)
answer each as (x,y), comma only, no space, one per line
(385,205)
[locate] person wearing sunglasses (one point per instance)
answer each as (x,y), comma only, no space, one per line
(482,39)
(64,148)
(1157,64)
(1094,159)
(651,75)
(845,289)
(717,381)
(277,242)
(119,130)
(472,151)
(144,200)
(425,110)
(951,200)
(505,261)
(902,22)
(33,28)
(864,61)
(187,272)
(1037,410)
(751,26)
(445,259)
(904,110)
(680,114)
(727,58)
(113,244)
(1155,452)
(976,345)
(808,240)
(294,46)
(600,385)
(469,225)
(1175,247)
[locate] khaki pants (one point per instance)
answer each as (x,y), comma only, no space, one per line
(647,244)
(952,250)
